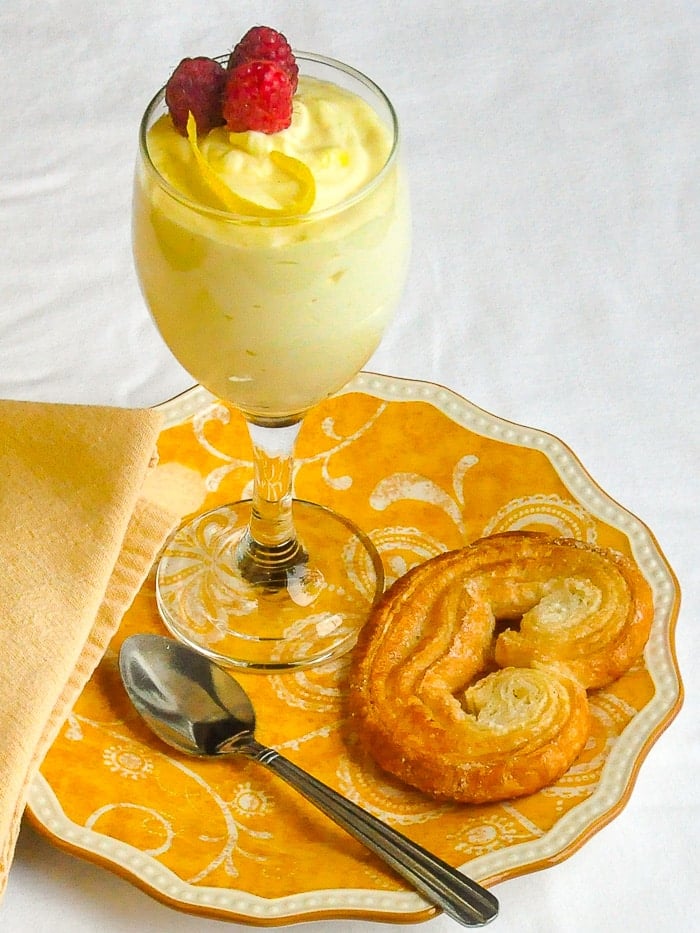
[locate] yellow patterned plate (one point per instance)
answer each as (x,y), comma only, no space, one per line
(421,470)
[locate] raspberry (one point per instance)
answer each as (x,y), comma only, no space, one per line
(196,85)
(262,43)
(258,96)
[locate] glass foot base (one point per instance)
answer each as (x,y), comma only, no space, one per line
(311,615)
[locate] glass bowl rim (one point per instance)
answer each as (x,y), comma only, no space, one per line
(285,220)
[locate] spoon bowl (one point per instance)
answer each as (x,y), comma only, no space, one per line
(197,707)
(188,701)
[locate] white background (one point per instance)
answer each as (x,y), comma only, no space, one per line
(552,149)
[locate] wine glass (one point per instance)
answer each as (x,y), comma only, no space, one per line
(272,314)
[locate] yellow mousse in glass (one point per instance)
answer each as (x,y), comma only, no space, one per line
(272,263)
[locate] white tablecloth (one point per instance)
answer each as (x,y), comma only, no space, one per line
(552,149)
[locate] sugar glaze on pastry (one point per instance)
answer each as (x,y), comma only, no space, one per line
(446,704)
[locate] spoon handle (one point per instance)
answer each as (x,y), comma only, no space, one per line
(461,898)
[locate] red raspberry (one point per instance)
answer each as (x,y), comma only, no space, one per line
(196,85)
(258,96)
(262,43)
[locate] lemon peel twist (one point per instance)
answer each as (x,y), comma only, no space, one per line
(236,203)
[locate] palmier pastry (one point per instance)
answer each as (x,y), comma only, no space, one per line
(427,707)
(593,614)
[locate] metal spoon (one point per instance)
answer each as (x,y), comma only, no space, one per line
(197,707)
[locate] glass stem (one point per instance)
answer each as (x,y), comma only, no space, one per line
(270,549)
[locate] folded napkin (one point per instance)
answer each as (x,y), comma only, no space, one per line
(80,526)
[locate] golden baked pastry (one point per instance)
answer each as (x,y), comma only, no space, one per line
(592,615)
(429,705)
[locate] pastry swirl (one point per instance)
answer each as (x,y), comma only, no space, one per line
(430,707)
(592,615)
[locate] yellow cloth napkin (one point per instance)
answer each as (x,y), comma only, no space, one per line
(79,530)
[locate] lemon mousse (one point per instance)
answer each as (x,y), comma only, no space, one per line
(272,262)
